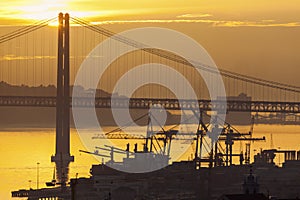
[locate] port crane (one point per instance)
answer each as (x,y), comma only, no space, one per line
(160,142)
(228,134)
(248,144)
(157,143)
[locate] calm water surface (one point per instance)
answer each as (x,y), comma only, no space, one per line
(21,150)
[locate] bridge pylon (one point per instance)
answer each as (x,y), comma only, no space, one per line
(62,157)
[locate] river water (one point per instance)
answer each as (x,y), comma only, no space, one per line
(21,149)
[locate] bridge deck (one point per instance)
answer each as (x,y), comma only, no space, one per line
(144,103)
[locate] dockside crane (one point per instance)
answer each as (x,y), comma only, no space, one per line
(248,145)
(156,142)
(159,142)
(228,134)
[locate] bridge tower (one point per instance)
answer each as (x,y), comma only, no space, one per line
(62,157)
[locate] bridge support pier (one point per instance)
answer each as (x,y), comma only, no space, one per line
(62,157)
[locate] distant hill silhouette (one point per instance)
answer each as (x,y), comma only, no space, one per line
(34,117)
(50,90)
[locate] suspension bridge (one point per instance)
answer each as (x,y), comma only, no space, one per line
(30,58)
(146,103)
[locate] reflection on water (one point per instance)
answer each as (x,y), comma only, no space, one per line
(21,150)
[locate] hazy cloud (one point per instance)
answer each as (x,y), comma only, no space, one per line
(255,24)
(194,15)
(14,57)
(213,22)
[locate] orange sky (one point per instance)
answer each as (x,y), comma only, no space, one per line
(221,13)
(255,37)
